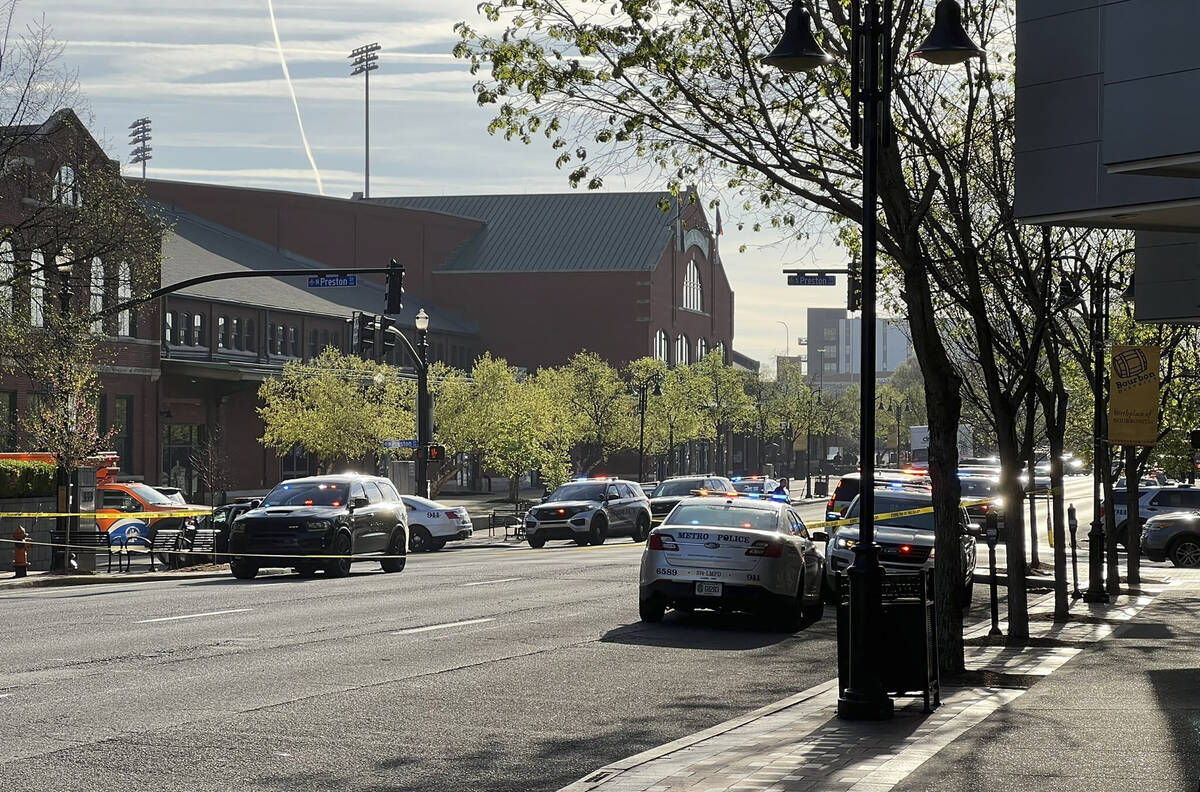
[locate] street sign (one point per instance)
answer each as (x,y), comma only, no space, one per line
(325,281)
(796,279)
(394,444)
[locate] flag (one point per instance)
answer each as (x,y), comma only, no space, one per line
(719,229)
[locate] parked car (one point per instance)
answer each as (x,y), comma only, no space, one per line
(982,496)
(754,485)
(222,519)
(339,516)
(432,524)
(121,510)
(905,543)
(1152,502)
(673,490)
(849,485)
(1174,537)
(175,494)
(732,553)
(588,511)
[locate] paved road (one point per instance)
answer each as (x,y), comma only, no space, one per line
(504,669)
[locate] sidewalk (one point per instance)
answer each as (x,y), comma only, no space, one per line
(1101,702)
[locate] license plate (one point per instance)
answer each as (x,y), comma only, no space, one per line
(708,589)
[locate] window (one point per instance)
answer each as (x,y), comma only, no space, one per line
(373,493)
(8,276)
(37,289)
(222,332)
(125,323)
(122,427)
(280,349)
(683,350)
(185,329)
(8,420)
(251,344)
(336,341)
(199,330)
(693,292)
(271,338)
(325,340)
(179,445)
(170,319)
(720,347)
(237,334)
(96,298)
(294,341)
(295,462)
(661,348)
(701,348)
(66,187)
(314,343)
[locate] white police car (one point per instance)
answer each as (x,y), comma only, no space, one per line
(732,553)
(432,524)
(589,511)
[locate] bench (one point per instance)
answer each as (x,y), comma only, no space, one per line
(513,524)
(90,538)
(166,541)
(204,542)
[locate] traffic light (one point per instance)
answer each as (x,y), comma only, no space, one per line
(853,287)
(435,453)
(395,288)
(387,337)
(364,335)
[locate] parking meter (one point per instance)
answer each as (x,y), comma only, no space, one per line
(992,525)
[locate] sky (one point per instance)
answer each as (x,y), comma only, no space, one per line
(209,76)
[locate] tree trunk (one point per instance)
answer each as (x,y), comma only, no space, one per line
(1133,522)
(1014,525)
(943,401)
(1054,407)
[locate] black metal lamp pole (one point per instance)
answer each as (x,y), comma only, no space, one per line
(642,395)
(424,413)
(1095,590)
(870,86)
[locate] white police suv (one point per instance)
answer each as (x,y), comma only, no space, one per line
(588,511)
(732,553)
(432,524)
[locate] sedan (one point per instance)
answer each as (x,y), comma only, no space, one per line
(432,524)
(732,553)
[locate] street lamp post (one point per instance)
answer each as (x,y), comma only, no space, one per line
(424,409)
(643,399)
(870,88)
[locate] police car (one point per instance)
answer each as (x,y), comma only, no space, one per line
(727,552)
(432,524)
(589,511)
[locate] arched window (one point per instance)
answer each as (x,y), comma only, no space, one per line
(720,347)
(314,343)
(683,350)
(8,276)
(66,187)
(251,346)
(96,295)
(693,292)
(185,329)
(661,346)
(199,330)
(701,348)
(294,341)
(222,332)
(37,289)
(170,319)
(237,334)
(124,294)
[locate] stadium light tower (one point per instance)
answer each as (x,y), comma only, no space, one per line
(364,61)
(139,140)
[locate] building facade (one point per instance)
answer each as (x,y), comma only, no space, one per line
(1107,136)
(835,347)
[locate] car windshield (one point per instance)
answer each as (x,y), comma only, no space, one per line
(150,495)
(978,487)
(685,487)
(721,515)
(885,504)
(306,493)
(748,486)
(581,491)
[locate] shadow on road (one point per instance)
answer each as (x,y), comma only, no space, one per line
(703,630)
(283,578)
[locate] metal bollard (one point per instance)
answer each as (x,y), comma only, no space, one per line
(993,536)
(1073,526)
(20,553)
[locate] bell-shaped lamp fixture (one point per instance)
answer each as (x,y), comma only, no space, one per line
(948,43)
(797,50)
(422,321)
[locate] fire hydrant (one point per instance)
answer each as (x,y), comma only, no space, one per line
(20,552)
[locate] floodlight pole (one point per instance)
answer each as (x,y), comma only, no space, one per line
(365,61)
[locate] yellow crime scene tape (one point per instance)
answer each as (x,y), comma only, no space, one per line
(119,550)
(891,515)
(113,514)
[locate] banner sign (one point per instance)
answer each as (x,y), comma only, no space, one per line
(1133,396)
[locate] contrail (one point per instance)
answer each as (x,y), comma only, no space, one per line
(288,79)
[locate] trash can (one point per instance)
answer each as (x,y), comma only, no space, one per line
(908,632)
(821,487)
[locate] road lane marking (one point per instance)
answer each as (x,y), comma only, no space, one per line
(446,626)
(489,582)
(192,616)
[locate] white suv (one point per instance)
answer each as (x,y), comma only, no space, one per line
(588,511)
(1152,502)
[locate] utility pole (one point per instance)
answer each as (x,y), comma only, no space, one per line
(139,139)
(365,61)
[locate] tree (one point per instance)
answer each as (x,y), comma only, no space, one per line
(598,398)
(796,405)
(211,463)
(337,406)
(675,417)
(724,404)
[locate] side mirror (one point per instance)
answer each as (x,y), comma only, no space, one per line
(254,504)
(833,515)
(974,529)
(820,536)
(359,502)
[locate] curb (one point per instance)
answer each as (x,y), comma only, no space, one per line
(51,581)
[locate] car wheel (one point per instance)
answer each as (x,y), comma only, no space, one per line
(814,610)
(642,530)
(789,614)
(306,571)
(536,543)
(1185,552)
(395,549)
(599,531)
(243,570)
(584,542)
(339,567)
(651,610)
(419,539)
(436,545)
